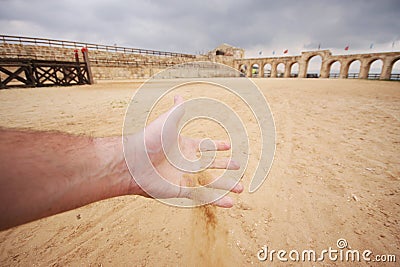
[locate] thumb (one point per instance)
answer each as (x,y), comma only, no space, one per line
(169,130)
(178,100)
(164,127)
(176,113)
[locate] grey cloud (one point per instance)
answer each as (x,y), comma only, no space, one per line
(191,26)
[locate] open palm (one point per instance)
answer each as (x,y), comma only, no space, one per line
(159,178)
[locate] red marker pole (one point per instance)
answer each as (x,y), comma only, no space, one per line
(76,55)
(85,53)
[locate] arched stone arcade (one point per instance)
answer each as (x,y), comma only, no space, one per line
(334,66)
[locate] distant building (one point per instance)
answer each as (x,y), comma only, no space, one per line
(227,51)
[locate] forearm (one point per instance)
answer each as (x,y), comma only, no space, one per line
(42,174)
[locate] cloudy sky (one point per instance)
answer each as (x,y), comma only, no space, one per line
(198,26)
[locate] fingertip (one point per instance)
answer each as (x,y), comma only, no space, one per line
(233,165)
(178,100)
(227,145)
(222,145)
(238,188)
(225,202)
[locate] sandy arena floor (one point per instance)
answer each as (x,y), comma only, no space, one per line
(336,175)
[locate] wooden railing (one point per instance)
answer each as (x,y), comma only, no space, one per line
(122,63)
(312,75)
(71,44)
(352,75)
(395,76)
(374,76)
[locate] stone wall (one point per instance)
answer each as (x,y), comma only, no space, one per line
(104,64)
(36,52)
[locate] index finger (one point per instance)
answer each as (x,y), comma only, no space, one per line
(212,145)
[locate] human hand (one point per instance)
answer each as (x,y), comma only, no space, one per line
(151,152)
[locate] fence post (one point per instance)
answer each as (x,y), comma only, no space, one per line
(78,66)
(87,63)
(76,55)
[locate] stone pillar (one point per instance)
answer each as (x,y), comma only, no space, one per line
(260,70)
(302,69)
(387,68)
(249,69)
(344,70)
(324,70)
(273,69)
(364,69)
(287,70)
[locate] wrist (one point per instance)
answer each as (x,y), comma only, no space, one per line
(114,175)
(113,164)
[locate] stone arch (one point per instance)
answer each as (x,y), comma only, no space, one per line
(314,66)
(294,69)
(322,54)
(375,68)
(280,70)
(243,69)
(353,68)
(267,69)
(306,57)
(255,70)
(395,69)
(394,61)
(334,68)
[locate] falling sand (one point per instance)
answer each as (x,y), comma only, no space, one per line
(209,235)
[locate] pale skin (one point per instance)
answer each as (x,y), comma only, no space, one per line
(45,173)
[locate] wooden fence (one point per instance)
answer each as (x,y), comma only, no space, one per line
(38,73)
